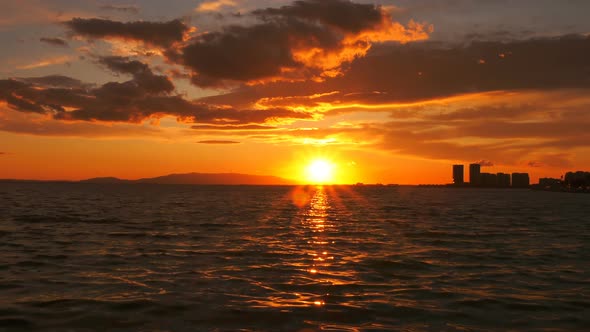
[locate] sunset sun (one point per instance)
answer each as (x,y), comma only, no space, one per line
(320,171)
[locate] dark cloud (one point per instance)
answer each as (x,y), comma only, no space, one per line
(498,35)
(420,72)
(309,39)
(218,142)
(146,95)
(143,77)
(133,9)
(162,34)
(54,41)
(341,14)
(55,81)
(240,54)
(124,65)
(532,129)
(9,92)
(424,71)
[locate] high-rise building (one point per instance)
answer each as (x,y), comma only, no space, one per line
(458,171)
(475,174)
(503,180)
(488,180)
(520,180)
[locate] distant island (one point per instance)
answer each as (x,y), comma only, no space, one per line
(189,178)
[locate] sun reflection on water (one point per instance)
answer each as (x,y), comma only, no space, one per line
(320,265)
(315,222)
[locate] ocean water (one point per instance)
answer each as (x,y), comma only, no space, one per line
(88,257)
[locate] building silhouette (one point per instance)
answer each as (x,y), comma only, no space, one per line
(475,174)
(488,180)
(572,182)
(458,171)
(577,179)
(517,180)
(549,182)
(503,180)
(520,180)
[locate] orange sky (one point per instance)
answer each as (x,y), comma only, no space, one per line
(389,92)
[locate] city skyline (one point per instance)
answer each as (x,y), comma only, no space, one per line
(477,178)
(379,91)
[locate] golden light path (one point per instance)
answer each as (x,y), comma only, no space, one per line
(321,211)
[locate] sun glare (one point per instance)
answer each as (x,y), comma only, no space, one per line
(320,171)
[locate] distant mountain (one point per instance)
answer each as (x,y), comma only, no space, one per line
(201,178)
(104,180)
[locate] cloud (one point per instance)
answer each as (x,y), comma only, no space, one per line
(162,34)
(134,9)
(513,129)
(57,60)
(145,96)
(561,160)
(346,16)
(55,81)
(124,65)
(215,5)
(485,163)
(416,72)
(310,39)
(534,164)
(421,72)
(22,13)
(236,128)
(233,127)
(43,125)
(218,142)
(540,128)
(54,41)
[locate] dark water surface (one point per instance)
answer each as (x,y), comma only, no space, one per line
(82,257)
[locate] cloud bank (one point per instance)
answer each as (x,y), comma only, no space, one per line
(146,95)
(161,34)
(306,40)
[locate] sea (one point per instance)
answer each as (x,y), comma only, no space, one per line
(139,257)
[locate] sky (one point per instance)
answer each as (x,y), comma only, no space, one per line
(386,91)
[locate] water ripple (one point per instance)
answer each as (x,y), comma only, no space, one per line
(184,258)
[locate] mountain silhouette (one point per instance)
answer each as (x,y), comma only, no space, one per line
(201,178)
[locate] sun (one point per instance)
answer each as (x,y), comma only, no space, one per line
(320,171)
